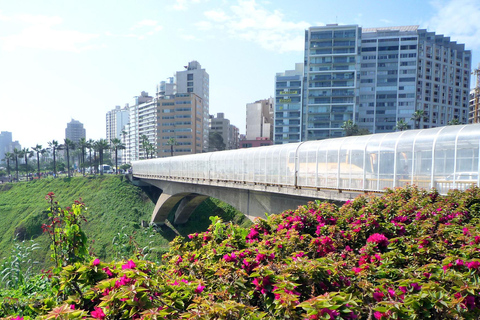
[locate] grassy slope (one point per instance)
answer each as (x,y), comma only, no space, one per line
(115,210)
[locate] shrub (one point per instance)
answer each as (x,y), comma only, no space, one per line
(409,254)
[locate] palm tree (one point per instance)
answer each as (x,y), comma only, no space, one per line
(38,149)
(454,122)
(351,128)
(419,116)
(83,144)
(8,156)
(401,125)
(27,153)
(69,145)
(54,146)
(44,152)
(90,146)
(145,143)
(16,153)
(151,149)
(101,145)
(171,142)
(116,144)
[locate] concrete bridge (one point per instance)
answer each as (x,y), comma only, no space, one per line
(276,178)
(252,200)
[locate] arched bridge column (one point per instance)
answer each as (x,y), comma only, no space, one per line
(166,202)
(187,207)
(187,203)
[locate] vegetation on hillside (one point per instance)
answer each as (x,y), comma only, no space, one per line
(410,254)
(114,212)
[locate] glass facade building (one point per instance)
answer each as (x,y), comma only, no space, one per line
(288,106)
(330,76)
(377,78)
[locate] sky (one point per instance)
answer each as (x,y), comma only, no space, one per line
(62,60)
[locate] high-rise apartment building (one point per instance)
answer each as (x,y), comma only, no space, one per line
(75,131)
(180,124)
(377,77)
(116,124)
(116,120)
(196,80)
(288,105)
(407,69)
(142,121)
(330,76)
(259,119)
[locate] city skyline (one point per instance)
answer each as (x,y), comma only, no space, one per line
(55,67)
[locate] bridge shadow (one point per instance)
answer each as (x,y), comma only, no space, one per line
(200,219)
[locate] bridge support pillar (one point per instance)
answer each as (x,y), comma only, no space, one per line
(187,207)
(166,202)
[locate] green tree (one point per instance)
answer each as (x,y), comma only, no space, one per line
(8,157)
(27,153)
(38,149)
(54,147)
(350,128)
(419,116)
(68,145)
(116,144)
(145,144)
(90,146)
(454,122)
(16,153)
(215,141)
(171,142)
(100,146)
(83,145)
(401,125)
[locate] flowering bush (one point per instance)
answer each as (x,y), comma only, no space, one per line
(409,254)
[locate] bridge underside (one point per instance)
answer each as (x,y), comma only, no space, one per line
(252,203)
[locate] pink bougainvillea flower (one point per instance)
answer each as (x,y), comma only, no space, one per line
(473,265)
(108,272)
(72,307)
(96,262)
(17,318)
(230,257)
(129,265)
(199,288)
(379,239)
(416,286)
(98,313)
(378,296)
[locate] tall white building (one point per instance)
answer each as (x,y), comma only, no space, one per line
(116,125)
(260,119)
(142,121)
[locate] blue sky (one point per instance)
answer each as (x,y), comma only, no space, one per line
(63,60)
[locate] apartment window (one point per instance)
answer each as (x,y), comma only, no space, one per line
(189,89)
(190,76)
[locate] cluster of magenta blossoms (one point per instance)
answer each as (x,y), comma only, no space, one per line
(409,254)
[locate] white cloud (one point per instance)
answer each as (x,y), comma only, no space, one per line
(44,32)
(145,23)
(216,15)
(204,25)
(250,21)
(140,30)
(184,4)
(459,19)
